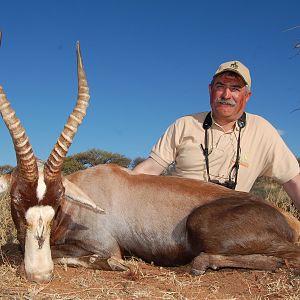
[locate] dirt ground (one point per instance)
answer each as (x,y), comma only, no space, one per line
(146,281)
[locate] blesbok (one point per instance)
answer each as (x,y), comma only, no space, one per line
(93,217)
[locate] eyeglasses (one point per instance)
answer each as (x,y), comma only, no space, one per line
(230,183)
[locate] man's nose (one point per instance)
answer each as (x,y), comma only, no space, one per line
(227,93)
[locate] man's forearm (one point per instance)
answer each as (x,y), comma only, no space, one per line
(149,166)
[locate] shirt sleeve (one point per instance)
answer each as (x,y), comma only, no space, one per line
(164,151)
(281,163)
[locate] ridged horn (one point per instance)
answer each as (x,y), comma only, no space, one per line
(26,161)
(56,158)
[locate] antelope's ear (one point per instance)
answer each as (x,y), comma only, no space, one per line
(77,195)
(5,183)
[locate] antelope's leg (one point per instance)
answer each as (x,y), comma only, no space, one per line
(214,261)
(77,256)
(94,262)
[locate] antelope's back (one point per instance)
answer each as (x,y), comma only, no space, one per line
(111,186)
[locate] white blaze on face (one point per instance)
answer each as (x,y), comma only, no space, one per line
(37,259)
(41,187)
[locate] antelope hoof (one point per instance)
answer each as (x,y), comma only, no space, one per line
(197,272)
(117,265)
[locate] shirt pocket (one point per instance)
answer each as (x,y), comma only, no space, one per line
(220,163)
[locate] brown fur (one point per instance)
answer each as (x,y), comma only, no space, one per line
(215,261)
(230,226)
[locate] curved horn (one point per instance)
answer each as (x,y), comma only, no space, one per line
(56,158)
(26,161)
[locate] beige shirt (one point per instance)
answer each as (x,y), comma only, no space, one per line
(263,152)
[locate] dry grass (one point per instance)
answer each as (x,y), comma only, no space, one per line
(270,190)
(152,283)
(145,281)
(7,228)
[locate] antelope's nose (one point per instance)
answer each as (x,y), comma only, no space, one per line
(44,277)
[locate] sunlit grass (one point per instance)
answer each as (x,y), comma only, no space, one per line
(270,190)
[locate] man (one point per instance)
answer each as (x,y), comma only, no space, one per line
(227,146)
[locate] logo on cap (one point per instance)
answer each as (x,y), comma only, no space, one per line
(234,65)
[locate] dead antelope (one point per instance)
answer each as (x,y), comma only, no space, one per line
(166,220)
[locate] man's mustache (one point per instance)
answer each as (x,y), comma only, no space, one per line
(230,102)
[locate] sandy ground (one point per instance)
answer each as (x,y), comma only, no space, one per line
(146,281)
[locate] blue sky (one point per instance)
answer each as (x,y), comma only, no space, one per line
(147,63)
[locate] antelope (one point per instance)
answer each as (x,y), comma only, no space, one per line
(94,217)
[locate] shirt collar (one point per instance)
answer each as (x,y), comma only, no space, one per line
(219,127)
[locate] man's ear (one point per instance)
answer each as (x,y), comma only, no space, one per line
(248,96)
(5,180)
(209,88)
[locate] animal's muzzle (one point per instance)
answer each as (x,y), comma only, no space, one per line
(39,277)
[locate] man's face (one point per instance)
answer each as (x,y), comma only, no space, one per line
(228,97)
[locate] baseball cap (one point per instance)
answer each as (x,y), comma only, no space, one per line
(236,67)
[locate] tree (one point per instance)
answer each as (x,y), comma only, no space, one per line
(71,165)
(297,45)
(6,169)
(93,157)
